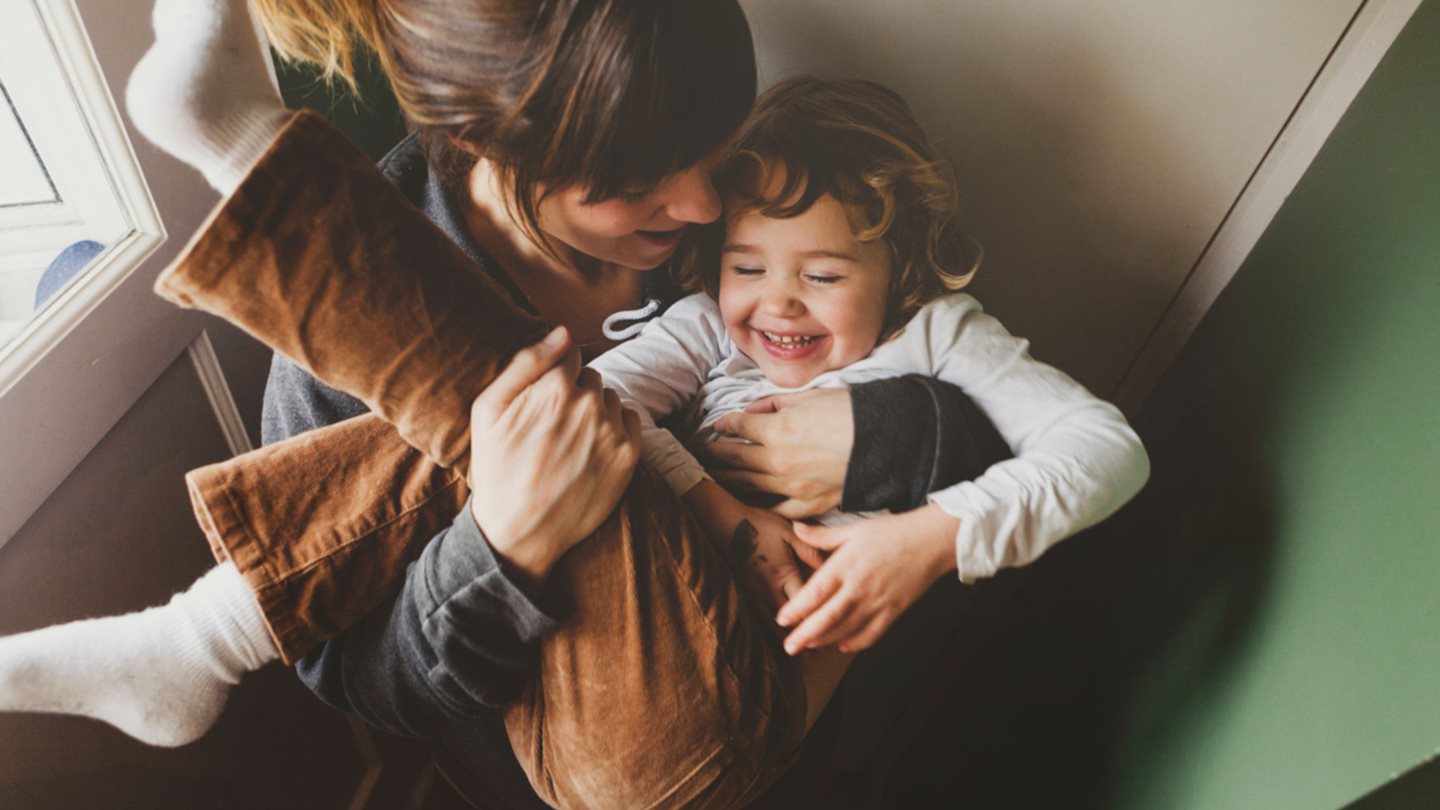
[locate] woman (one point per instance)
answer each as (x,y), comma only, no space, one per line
(580,134)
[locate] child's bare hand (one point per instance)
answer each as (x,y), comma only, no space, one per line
(762,546)
(758,540)
(877,569)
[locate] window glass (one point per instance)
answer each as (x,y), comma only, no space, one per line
(59,208)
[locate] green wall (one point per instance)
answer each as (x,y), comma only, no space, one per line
(1304,418)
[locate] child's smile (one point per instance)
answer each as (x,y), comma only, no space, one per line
(802,296)
(790,347)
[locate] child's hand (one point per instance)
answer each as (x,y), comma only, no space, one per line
(759,541)
(879,567)
(762,545)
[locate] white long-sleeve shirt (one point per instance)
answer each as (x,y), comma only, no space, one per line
(1076,458)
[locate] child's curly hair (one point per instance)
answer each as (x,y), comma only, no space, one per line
(858,142)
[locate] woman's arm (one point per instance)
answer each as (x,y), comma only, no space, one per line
(915,435)
(460,639)
(884,444)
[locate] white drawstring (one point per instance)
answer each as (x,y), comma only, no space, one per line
(640,315)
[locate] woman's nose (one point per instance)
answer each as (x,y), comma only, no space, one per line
(693,197)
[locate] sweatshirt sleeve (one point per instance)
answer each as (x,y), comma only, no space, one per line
(660,372)
(914,435)
(459,640)
(1076,459)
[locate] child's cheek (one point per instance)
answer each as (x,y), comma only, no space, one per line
(860,323)
(733,312)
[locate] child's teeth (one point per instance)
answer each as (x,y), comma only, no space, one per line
(789,340)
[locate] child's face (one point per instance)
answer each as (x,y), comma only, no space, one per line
(802,296)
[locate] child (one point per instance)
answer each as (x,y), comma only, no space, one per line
(839,257)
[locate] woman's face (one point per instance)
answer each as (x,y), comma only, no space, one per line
(802,296)
(639,229)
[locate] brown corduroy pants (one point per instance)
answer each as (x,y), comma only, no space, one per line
(665,690)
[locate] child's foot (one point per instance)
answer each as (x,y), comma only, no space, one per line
(203,91)
(160,675)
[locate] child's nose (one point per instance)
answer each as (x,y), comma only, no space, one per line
(782,301)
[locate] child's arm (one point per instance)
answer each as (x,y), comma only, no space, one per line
(1077,461)
(659,372)
(1076,458)
(761,542)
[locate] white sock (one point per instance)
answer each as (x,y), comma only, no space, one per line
(203,91)
(160,675)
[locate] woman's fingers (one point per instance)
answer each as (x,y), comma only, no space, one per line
(572,363)
(632,424)
(746,480)
(551,454)
(822,626)
(822,586)
(524,369)
(746,425)
(808,554)
(825,538)
(589,379)
(739,455)
(798,509)
(765,405)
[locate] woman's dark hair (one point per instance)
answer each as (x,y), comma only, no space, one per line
(858,142)
(610,95)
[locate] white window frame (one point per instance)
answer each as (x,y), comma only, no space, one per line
(89,160)
(71,372)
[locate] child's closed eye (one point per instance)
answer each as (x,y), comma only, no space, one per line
(823,278)
(747,271)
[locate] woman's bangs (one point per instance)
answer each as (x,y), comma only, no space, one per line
(686,91)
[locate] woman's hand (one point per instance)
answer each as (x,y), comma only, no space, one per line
(879,567)
(796,446)
(551,453)
(760,541)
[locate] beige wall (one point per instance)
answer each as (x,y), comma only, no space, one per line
(1098,145)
